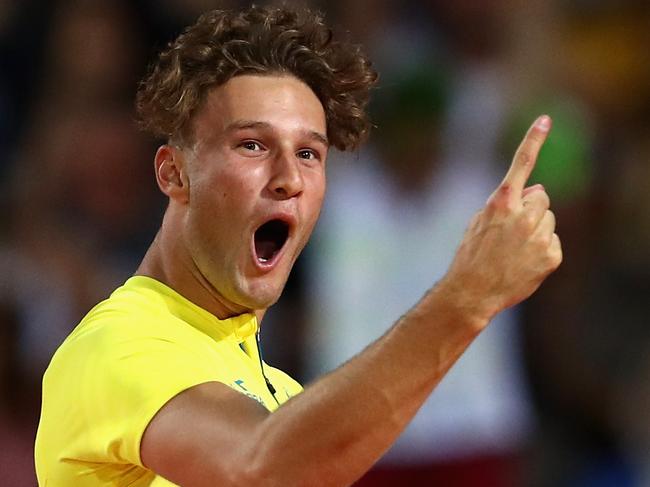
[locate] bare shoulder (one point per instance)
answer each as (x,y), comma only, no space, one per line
(200,436)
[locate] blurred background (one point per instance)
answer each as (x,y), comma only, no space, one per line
(555,393)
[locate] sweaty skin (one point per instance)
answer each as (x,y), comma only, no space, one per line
(225,185)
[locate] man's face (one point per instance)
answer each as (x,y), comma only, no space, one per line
(256,175)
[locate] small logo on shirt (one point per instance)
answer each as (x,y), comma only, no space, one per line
(239,384)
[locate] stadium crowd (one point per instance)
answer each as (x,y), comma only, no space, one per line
(555,393)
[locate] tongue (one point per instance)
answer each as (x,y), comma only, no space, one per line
(265,249)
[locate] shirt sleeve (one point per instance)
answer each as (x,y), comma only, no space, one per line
(130,377)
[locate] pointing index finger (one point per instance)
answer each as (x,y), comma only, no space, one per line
(526,156)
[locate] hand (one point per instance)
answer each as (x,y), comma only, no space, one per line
(510,246)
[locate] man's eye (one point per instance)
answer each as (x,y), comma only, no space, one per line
(307,154)
(251,145)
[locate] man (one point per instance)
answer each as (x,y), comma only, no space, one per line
(163,384)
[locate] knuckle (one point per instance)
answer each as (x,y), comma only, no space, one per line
(551,218)
(559,252)
(492,201)
(544,242)
(499,201)
(505,189)
(491,207)
(503,192)
(527,222)
(555,252)
(544,199)
(524,158)
(554,260)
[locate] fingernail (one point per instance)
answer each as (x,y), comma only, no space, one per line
(543,122)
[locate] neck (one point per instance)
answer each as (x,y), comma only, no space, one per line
(168,261)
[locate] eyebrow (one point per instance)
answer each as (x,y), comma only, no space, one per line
(254,124)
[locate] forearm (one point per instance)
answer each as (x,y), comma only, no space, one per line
(339,426)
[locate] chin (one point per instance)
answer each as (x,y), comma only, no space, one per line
(256,299)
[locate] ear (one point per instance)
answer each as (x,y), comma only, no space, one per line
(171,173)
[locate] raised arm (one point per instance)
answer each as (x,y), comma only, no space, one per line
(338,427)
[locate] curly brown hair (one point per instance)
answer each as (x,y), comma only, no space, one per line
(223,44)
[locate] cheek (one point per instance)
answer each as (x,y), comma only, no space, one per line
(221,192)
(316,192)
(211,212)
(319,186)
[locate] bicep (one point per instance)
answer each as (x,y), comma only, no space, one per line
(201,436)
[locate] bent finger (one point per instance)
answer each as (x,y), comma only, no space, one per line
(537,223)
(547,223)
(555,250)
(537,198)
(532,189)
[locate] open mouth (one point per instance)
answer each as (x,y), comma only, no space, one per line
(269,240)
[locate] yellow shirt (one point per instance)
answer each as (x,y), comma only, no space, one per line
(130,355)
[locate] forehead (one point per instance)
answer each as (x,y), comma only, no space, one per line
(281,102)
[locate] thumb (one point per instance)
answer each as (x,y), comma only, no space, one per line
(532,189)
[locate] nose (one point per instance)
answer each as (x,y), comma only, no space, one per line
(287,179)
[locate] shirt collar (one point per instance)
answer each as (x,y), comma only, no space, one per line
(239,327)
